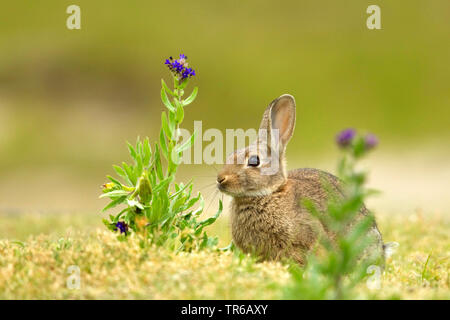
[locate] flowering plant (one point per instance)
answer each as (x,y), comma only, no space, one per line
(344,261)
(157,207)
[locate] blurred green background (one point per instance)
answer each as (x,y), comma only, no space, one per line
(69,99)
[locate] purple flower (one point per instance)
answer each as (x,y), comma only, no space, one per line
(188,72)
(122,226)
(179,67)
(345,137)
(370,141)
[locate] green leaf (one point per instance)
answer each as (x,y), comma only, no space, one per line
(200,225)
(132,151)
(158,165)
(117,182)
(191,202)
(200,207)
(165,125)
(130,173)
(117,217)
(172,123)
(166,100)
(180,114)
(147,152)
(162,141)
(109,225)
(121,173)
(139,166)
(163,184)
(191,98)
(187,144)
(114,203)
(114,194)
(177,204)
(179,189)
(164,85)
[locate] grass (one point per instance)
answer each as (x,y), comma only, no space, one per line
(36,266)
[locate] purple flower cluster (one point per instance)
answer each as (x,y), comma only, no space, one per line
(122,226)
(371,141)
(346,137)
(179,67)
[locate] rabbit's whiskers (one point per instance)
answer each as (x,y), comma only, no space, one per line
(215,194)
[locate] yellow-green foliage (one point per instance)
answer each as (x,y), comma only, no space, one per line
(37,267)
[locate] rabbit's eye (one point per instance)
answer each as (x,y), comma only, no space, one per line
(253,161)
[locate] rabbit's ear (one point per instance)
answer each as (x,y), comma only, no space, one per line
(280,116)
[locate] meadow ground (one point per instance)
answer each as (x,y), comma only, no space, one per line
(37,250)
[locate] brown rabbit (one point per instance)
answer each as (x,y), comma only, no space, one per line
(267,217)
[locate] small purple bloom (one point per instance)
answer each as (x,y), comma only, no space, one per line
(179,67)
(122,226)
(345,137)
(371,141)
(188,72)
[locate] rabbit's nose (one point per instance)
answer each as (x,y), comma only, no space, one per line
(221,178)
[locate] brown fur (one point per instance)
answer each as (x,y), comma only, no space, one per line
(267,217)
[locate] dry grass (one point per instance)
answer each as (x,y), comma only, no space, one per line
(37,268)
(117,270)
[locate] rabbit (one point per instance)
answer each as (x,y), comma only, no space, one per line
(267,217)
